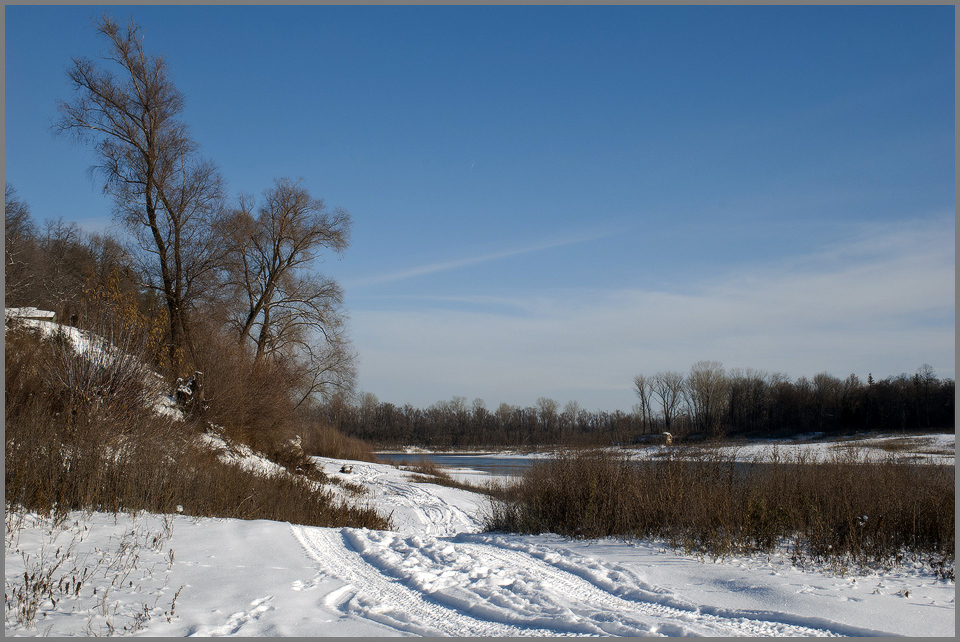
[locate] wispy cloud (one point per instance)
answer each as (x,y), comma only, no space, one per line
(881,303)
(445,266)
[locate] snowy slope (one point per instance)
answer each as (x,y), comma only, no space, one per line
(438,575)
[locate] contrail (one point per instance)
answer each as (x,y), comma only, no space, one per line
(433,268)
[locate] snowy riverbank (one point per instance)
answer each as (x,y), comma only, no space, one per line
(436,574)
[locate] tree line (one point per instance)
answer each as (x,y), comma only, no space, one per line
(457,424)
(706,402)
(709,400)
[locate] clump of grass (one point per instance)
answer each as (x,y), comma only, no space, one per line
(427,468)
(845,509)
(351,487)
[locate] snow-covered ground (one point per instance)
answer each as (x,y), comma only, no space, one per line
(438,575)
(939,448)
(929,448)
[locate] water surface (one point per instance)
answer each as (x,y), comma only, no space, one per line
(491,464)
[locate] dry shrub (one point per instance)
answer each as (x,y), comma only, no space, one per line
(429,468)
(80,373)
(230,491)
(109,456)
(251,401)
(254,403)
(580,493)
(111,301)
(326,441)
(844,508)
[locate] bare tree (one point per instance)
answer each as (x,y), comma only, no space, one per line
(67,264)
(280,307)
(19,241)
(668,387)
(827,394)
(642,386)
(748,391)
(163,190)
(547,414)
(707,387)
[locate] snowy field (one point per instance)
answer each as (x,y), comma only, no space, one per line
(937,448)
(437,575)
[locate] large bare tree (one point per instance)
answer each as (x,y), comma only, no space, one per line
(668,387)
(167,195)
(642,386)
(707,389)
(282,308)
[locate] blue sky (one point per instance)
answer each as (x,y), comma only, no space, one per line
(550,200)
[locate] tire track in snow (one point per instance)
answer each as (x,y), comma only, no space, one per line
(610,581)
(382,599)
(438,516)
(450,582)
(435,515)
(600,604)
(531,596)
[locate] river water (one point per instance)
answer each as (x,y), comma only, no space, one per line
(491,464)
(497,464)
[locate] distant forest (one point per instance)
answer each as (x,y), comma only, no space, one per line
(707,402)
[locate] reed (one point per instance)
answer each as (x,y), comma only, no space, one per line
(845,508)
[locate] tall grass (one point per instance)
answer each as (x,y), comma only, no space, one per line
(845,508)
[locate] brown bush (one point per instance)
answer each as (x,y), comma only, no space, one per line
(325,441)
(845,507)
(110,456)
(251,402)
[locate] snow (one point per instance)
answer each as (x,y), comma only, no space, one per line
(933,448)
(82,341)
(240,454)
(29,313)
(437,574)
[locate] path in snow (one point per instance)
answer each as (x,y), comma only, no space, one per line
(422,508)
(437,575)
(485,585)
(373,595)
